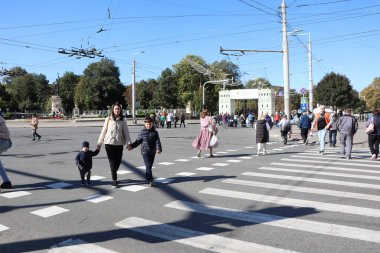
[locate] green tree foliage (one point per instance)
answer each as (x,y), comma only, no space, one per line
(100,86)
(335,90)
(5,97)
(167,90)
(145,91)
(190,81)
(30,92)
(258,83)
(371,94)
(67,84)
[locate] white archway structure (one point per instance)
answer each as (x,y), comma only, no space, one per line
(265,97)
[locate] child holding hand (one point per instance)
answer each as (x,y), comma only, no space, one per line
(83,160)
(150,146)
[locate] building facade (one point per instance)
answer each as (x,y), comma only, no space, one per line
(265,97)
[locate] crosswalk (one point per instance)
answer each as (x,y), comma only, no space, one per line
(327,186)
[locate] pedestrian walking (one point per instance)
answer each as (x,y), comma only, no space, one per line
(182,120)
(150,146)
(83,160)
(262,135)
(305,125)
(34,125)
(285,128)
(374,137)
(114,135)
(347,126)
(5,144)
(332,127)
(321,120)
(208,128)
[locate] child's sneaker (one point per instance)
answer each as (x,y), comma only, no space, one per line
(6,185)
(88,183)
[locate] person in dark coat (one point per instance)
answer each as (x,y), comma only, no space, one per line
(305,126)
(83,160)
(374,137)
(262,135)
(150,146)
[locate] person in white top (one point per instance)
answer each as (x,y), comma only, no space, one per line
(114,135)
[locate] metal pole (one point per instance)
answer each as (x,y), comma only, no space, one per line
(285,60)
(133,90)
(311,85)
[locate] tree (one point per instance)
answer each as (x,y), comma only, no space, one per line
(335,90)
(100,86)
(67,84)
(167,90)
(30,92)
(258,83)
(190,81)
(146,90)
(4,97)
(371,94)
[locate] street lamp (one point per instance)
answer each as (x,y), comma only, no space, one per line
(224,81)
(133,86)
(311,86)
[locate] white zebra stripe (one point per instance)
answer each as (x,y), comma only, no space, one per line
(314,180)
(194,238)
(342,194)
(321,173)
(294,202)
(279,221)
(325,167)
(324,162)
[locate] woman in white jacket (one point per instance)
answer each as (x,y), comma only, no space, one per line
(114,135)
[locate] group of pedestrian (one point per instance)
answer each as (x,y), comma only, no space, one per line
(346,124)
(114,136)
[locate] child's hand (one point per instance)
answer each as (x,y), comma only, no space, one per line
(129,147)
(158,151)
(98,147)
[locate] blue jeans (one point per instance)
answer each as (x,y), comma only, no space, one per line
(4,146)
(3,173)
(321,136)
(148,161)
(332,137)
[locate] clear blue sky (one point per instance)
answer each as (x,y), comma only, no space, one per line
(345,36)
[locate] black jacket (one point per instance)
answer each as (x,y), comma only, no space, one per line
(149,140)
(262,134)
(84,159)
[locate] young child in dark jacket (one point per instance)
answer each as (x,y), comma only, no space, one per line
(83,160)
(150,146)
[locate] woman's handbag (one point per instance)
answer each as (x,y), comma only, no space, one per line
(214,141)
(370,128)
(210,128)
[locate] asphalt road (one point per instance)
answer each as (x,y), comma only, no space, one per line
(291,200)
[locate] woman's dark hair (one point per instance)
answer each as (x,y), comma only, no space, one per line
(121,111)
(376,111)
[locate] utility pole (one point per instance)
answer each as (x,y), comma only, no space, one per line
(134,121)
(285,50)
(311,85)
(133,90)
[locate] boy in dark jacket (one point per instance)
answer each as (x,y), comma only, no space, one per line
(84,162)
(150,146)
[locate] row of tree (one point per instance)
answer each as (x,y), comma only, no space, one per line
(99,87)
